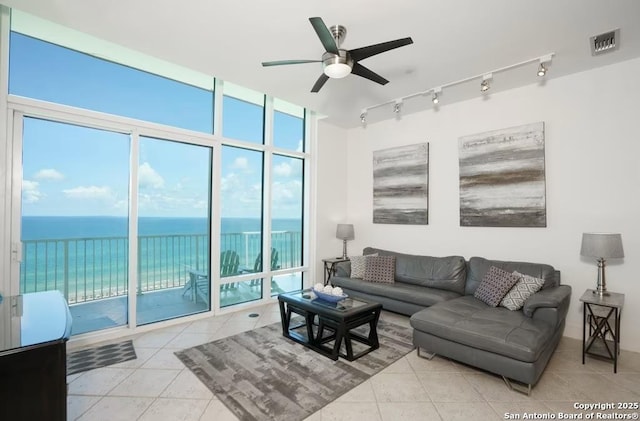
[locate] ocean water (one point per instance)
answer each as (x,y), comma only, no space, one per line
(87,257)
(54,227)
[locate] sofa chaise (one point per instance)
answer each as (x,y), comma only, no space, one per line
(448,320)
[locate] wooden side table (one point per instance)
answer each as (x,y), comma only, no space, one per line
(602,315)
(330,267)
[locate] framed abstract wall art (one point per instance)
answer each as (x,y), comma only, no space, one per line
(401,185)
(502,178)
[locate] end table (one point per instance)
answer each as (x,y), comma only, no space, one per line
(330,267)
(601,313)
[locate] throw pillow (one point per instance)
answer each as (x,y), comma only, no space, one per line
(495,285)
(525,287)
(380,269)
(358,264)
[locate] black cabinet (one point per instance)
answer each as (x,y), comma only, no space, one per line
(33,357)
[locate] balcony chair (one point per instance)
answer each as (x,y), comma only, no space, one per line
(229,266)
(257,266)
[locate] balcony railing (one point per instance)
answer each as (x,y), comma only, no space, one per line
(86,269)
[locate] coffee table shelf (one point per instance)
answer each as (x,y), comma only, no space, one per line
(339,320)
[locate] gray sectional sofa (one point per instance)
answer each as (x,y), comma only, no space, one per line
(438,294)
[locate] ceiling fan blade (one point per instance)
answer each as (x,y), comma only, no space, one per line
(371,50)
(360,70)
(324,34)
(284,62)
(320,83)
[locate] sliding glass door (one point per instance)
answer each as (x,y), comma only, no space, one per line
(74,223)
(173,230)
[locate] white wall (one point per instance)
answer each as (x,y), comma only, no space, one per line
(592,141)
(331,194)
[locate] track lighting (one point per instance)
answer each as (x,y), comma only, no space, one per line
(435,97)
(544,63)
(485,85)
(542,70)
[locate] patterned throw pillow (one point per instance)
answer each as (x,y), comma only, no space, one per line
(358,265)
(495,285)
(380,269)
(523,289)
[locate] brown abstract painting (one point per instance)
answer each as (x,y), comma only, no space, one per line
(502,178)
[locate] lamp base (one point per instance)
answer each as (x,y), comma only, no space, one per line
(600,293)
(601,286)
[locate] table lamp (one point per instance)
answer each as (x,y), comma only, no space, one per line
(602,246)
(345,232)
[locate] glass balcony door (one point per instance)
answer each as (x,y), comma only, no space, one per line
(74,219)
(173,230)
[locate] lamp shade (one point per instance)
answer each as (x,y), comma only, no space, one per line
(602,245)
(345,232)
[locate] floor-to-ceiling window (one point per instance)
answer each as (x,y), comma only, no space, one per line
(148,252)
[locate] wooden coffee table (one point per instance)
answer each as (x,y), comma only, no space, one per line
(326,322)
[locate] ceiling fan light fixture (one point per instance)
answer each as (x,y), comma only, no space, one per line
(337,70)
(337,66)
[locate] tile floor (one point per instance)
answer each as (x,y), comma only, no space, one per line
(156,386)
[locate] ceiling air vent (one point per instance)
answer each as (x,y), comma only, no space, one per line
(605,43)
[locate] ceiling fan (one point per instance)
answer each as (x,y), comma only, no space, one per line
(337,62)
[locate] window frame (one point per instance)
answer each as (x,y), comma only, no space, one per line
(14,108)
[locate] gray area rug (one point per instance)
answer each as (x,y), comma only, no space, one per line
(100,356)
(261,375)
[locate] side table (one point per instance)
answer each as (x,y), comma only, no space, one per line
(330,267)
(602,316)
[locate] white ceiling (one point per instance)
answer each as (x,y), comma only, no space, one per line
(453,40)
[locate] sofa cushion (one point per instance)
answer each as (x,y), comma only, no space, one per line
(398,291)
(523,289)
(478,267)
(494,286)
(358,264)
(446,273)
(380,269)
(469,321)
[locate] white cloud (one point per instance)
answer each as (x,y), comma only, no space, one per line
(283,170)
(240,163)
(88,192)
(30,192)
(300,146)
(49,174)
(148,177)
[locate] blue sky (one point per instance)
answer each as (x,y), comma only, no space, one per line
(70,170)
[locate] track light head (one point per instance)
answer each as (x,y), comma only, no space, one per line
(397,107)
(486,80)
(435,98)
(363,117)
(542,70)
(544,64)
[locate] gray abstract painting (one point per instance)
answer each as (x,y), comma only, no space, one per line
(400,185)
(502,178)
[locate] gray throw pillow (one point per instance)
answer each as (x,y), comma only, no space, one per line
(358,264)
(523,289)
(495,285)
(380,269)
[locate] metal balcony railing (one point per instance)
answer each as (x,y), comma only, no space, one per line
(86,269)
